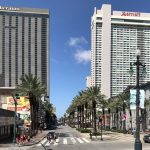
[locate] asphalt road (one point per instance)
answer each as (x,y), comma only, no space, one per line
(70,139)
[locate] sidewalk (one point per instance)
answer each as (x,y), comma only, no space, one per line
(34,140)
(111,136)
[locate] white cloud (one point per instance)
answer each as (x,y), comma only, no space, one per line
(83,56)
(77,41)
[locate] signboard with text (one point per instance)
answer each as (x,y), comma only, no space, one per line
(23,106)
(133,99)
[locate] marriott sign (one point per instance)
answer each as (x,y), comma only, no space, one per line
(133,14)
(9,8)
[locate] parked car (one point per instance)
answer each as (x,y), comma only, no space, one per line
(146,138)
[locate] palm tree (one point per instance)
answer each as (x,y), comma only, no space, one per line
(48,107)
(112,103)
(93,93)
(118,103)
(144,113)
(85,103)
(31,85)
(125,103)
(102,103)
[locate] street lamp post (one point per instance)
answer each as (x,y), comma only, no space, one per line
(138,144)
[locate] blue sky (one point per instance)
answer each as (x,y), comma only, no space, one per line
(70,37)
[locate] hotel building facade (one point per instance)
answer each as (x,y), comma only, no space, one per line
(24,45)
(115,38)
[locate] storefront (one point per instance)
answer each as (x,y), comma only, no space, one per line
(6,123)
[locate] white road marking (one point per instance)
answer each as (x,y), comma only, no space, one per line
(73,140)
(38,144)
(47,144)
(57,140)
(85,140)
(79,140)
(65,141)
(55,143)
(42,142)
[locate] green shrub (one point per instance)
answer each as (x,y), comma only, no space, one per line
(107,129)
(85,131)
(82,130)
(72,126)
(79,129)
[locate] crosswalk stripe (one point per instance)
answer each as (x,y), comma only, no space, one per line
(38,144)
(85,140)
(55,143)
(79,140)
(65,141)
(42,142)
(47,144)
(73,140)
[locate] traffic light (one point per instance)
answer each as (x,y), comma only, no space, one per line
(17,96)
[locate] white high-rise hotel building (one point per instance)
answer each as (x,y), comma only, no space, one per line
(115,38)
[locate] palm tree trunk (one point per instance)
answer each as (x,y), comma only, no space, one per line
(109,116)
(78,115)
(32,116)
(104,117)
(36,118)
(130,117)
(82,116)
(117,116)
(94,115)
(143,115)
(124,118)
(85,115)
(90,115)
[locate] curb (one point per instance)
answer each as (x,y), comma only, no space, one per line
(23,145)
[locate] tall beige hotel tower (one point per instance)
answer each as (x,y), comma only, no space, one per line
(115,38)
(24,44)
